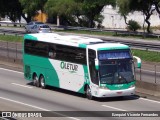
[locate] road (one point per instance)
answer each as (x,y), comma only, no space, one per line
(16,94)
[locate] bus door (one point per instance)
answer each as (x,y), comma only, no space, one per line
(93,72)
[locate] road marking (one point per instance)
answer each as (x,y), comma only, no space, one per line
(114,108)
(24,104)
(149,71)
(43,109)
(150,100)
(21,85)
(11,70)
(146,99)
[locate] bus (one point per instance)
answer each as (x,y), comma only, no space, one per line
(85,65)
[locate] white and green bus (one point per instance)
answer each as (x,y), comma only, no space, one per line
(80,64)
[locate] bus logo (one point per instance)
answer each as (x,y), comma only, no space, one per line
(72,68)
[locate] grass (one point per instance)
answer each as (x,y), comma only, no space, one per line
(11,38)
(87,32)
(149,56)
(109,34)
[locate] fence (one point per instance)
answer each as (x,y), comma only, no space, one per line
(149,73)
(13,51)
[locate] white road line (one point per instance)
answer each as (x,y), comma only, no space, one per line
(149,71)
(147,99)
(11,70)
(114,108)
(24,104)
(21,85)
(150,100)
(18,102)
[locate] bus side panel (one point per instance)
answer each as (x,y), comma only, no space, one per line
(40,66)
(71,75)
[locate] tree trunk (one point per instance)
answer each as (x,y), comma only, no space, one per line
(148,27)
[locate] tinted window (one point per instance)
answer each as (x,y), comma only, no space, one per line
(56,51)
(71,54)
(44,26)
(36,48)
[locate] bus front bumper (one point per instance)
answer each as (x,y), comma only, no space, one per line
(115,93)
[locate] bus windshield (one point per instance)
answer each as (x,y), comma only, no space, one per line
(116,71)
(116,67)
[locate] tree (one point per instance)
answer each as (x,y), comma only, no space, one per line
(145,6)
(92,10)
(31,7)
(78,12)
(156,3)
(67,10)
(10,8)
(133,25)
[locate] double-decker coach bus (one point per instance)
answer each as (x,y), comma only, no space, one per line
(80,64)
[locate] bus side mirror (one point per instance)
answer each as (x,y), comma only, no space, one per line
(138,61)
(96,64)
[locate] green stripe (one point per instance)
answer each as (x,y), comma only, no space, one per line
(82,45)
(114,48)
(42,65)
(31,37)
(118,86)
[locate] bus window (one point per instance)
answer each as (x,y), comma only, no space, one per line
(93,71)
(52,51)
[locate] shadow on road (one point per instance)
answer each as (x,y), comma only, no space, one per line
(108,99)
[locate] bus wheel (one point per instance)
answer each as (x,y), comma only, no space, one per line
(42,82)
(88,93)
(35,81)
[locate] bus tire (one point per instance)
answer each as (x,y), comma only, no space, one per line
(35,80)
(42,82)
(88,93)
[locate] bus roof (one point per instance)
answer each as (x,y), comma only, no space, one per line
(73,40)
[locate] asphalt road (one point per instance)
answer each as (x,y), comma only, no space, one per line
(16,94)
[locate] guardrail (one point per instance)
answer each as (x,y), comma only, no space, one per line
(117,32)
(134,44)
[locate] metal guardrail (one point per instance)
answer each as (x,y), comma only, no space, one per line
(134,44)
(117,32)
(146,46)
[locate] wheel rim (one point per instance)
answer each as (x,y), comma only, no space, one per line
(88,93)
(42,81)
(35,81)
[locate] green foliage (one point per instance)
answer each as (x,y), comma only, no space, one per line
(11,8)
(133,25)
(145,6)
(31,7)
(147,55)
(78,12)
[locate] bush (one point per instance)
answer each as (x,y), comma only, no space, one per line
(133,25)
